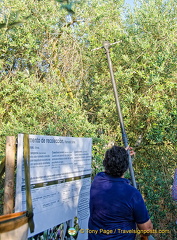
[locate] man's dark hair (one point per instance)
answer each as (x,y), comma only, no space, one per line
(116,161)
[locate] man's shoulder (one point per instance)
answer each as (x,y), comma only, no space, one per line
(132,191)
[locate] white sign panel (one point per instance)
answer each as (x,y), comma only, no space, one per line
(60,169)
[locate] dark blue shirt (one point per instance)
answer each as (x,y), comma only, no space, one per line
(115,208)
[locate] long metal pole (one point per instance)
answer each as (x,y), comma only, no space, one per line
(106,45)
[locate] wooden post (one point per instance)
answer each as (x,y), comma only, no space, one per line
(9,175)
(2,167)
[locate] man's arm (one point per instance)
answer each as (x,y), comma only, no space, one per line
(174,187)
(147,226)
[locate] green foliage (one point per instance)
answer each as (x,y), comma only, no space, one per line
(154,174)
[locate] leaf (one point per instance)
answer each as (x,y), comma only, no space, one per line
(11,25)
(61,1)
(68,7)
(2,25)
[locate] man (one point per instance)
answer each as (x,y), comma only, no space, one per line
(174,187)
(116,207)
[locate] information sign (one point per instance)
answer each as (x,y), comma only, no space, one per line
(60,176)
